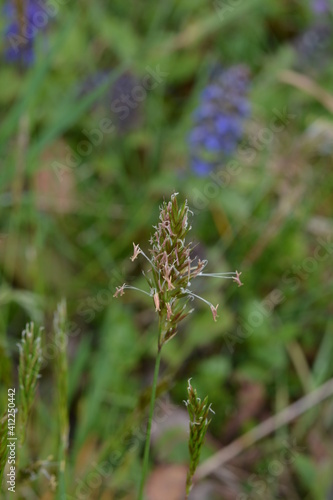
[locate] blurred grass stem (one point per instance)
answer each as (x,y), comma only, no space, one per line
(60,331)
(16,191)
(307,85)
(149,424)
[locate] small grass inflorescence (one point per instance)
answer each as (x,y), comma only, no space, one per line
(198,412)
(169,277)
(29,366)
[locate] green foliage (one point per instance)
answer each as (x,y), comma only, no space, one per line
(70,235)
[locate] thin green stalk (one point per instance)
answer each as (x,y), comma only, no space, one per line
(150,419)
(60,331)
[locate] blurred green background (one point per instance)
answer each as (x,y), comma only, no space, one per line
(77,191)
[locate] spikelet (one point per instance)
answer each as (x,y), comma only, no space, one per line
(198,412)
(29,366)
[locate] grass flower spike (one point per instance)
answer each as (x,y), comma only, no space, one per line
(198,412)
(172,268)
(29,366)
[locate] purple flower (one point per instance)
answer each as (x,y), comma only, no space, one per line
(320,6)
(313,47)
(127,110)
(23,21)
(200,167)
(219,119)
(119,99)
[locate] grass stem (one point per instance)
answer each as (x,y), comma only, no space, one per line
(150,419)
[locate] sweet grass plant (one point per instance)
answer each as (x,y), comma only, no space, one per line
(68,220)
(173,268)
